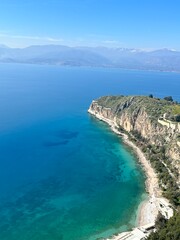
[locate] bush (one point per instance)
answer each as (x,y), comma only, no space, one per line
(177,118)
(168,98)
(160,221)
(167,230)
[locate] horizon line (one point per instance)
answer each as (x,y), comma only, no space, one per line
(2,45)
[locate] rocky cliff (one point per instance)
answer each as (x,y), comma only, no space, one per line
(139,117)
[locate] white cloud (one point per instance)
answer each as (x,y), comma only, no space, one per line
(50,39)
(27,40)
(14,40)
(112,42)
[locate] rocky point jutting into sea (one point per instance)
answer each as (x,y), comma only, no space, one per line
(151,127)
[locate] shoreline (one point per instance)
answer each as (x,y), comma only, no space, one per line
(148,209)
(98,67)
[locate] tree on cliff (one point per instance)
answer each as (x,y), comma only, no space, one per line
(150,95)
(168,98)
(169,230)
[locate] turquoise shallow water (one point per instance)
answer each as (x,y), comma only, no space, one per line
(63,174)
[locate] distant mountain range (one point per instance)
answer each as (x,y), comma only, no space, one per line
(162,60)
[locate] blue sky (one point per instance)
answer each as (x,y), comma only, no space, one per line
(147,24)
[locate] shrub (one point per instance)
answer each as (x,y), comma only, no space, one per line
(168,98)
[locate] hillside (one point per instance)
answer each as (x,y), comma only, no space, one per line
(144,120)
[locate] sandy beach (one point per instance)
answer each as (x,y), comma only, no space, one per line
(148,210)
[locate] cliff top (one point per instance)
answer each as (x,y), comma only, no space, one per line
(155,107)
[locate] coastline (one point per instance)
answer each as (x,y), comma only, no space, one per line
(148,209)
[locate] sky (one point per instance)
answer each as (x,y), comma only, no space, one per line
(144,24)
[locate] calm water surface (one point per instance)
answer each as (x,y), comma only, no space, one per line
(63,174)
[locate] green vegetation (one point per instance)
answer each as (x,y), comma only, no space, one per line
(156,154)
(175,118)
(155,107)
(166,230)
(160,222)
(175,113)
(176,109)
(111,101)
(169,98)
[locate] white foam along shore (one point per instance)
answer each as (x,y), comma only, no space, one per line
(148,210)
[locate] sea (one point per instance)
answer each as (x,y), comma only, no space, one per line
(64,175)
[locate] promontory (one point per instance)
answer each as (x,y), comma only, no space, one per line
(151,126)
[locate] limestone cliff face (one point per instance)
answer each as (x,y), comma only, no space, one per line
(135,114)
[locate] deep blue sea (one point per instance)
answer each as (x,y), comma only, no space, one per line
(63,174)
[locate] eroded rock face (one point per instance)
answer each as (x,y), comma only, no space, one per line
(133,114)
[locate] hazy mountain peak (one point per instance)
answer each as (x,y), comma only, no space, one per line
(130,58)
(3,46)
